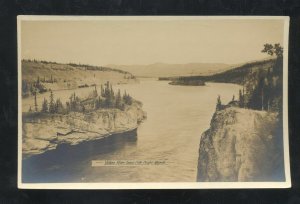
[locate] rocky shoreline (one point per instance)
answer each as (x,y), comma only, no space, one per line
(45,132)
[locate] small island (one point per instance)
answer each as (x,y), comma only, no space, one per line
(187,81)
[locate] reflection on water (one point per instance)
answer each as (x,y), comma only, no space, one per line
(176,118)
(65,162)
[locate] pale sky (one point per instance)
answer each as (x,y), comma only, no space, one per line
(152,41)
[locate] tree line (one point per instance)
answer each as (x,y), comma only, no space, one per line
(107,98)
(32,88)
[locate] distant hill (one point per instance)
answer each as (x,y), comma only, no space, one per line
(238,74)
(261,80)
(171,70)
(241,74)
(43,76)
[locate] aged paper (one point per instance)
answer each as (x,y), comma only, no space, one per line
(153,102)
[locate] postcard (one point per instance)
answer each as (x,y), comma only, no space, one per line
(153,102)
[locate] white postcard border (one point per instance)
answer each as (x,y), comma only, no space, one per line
(159,185)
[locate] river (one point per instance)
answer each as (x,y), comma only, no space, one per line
(176,117)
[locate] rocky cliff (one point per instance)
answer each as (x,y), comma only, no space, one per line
(44,132)
(241,145)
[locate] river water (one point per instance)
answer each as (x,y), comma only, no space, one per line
(176,118)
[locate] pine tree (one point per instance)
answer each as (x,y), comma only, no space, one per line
(101,103)
(45,106)
(109,96)
(112,97)
(219,103)
(51,103)
(68,106)
(262,98)
(129,99)
(71,103)
(35,103)
(241,99)
(59,106)
(118,99)
(125,96)
(97,103)
(102,91)
(106,91)
(95,91)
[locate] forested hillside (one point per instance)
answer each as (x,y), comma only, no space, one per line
(42,76)
(261,81)
(245,138)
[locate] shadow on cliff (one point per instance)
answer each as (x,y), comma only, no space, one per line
(66,162)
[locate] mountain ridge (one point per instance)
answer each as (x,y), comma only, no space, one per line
(160,69)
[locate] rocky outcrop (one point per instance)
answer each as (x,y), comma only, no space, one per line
(45,132)
(241,145)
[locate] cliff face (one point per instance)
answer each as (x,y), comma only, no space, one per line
(241,145)
(44,133)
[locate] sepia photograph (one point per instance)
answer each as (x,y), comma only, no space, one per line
(153,102)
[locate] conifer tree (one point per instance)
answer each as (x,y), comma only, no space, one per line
(241,99)
(106,91)
(97,103)
(58,106)
(71,103)
(118,99)
(262,98)
(51,103)
(219,103)
(35,103)
(45,106)
(68,106)
(102,91)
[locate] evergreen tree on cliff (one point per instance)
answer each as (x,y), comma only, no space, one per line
(127,99)
(102,91)
(45,106)
(273,81)
(95,93)
(118,99)
(241,99)
(108,94)
(59,106)
(219,103)
(51,103)
(35,102)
